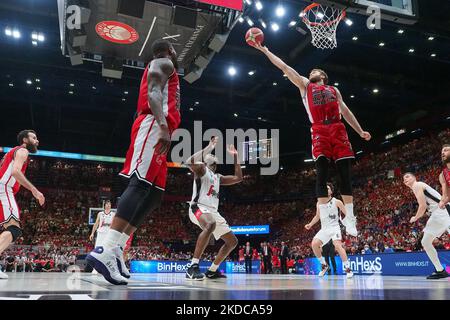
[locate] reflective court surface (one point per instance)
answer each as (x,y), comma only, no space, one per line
(82,286)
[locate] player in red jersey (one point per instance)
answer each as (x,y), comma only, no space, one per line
(324,105)
(12,176)
(444,177)
(158,115)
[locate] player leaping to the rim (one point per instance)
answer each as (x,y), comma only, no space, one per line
(324,105)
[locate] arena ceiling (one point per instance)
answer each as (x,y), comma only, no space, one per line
(75,109)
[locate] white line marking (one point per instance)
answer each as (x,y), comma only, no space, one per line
(171,37)
(148,36)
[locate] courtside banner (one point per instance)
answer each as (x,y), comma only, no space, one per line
(263,229)
(239,267)
(157,266)
(389,264)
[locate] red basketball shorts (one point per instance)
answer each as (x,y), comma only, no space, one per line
(142,158)
(8,205)
(331,141)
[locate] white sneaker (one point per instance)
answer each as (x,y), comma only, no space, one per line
(325,268)
(118,251)
(104,261)
(349,273)
(350,225)
(3,275)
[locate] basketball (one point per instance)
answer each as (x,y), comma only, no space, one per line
(254,36)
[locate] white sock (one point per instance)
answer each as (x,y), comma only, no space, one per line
(349,209)
(112,239)
(123,240)
(195,261)
(346,264)
(427,243)
(214,267)
(322,260)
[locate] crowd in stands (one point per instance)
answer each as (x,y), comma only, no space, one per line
(383,206)
(37,259)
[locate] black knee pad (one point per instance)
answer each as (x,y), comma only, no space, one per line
(151,202)
(138,200)
(344,168)
(322,176)
(15,231)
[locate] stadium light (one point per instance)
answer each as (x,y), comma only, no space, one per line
(258,5)
(275,27)
(250,22)
(232,71)
(292,23)
(16,34)
(348,22)
(8,32)
(280,11)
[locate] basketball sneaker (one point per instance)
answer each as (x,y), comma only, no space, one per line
(325,268)
(104,261)
(214,274)
(193,273)
(350,225)
(118,251)
(3,275)
(349,273)
(438,275)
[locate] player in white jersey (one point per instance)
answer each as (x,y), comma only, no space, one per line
(328,214)
(102,224)
(203,208)
(438,223)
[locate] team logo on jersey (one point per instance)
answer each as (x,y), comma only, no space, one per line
(159,159)
(117,32)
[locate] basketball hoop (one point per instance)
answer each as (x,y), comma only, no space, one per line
(322,21)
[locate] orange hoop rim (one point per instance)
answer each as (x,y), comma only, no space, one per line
(314,5)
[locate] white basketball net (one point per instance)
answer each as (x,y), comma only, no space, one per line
(322,21)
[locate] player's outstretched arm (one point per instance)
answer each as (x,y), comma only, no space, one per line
(300,81)
(158,75)
(19,159)
(237,177)
(195,162)
(350,118)
(445,192)
(314,220)
(420,196)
